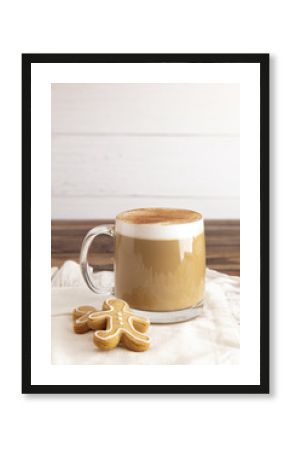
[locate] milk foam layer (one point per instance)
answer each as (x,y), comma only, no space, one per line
(159,224)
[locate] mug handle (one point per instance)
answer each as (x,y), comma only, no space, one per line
(109,230)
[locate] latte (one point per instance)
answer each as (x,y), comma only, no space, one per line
(160,258)
(159,262)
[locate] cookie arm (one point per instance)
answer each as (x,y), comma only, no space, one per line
(81,326)
(80,316)
(98,320)
(82,310)
(140,323)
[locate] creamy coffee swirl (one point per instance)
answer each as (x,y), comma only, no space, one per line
(164,216)
(159,223)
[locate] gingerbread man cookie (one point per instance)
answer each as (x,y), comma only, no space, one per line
(80,316)
(115,325)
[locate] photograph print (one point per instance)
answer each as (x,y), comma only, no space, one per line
(155,193)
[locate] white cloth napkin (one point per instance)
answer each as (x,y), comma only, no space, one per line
(212,338)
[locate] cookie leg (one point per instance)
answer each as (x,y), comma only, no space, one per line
(135,341)
(106,340)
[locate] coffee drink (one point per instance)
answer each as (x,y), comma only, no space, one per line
(159,262)
(160,259)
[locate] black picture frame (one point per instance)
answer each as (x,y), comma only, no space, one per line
(263,60)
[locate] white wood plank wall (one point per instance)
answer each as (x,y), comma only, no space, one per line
(121,146)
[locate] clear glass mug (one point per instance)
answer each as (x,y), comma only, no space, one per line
(159,262)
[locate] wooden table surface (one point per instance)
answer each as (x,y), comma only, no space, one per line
(222,244)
